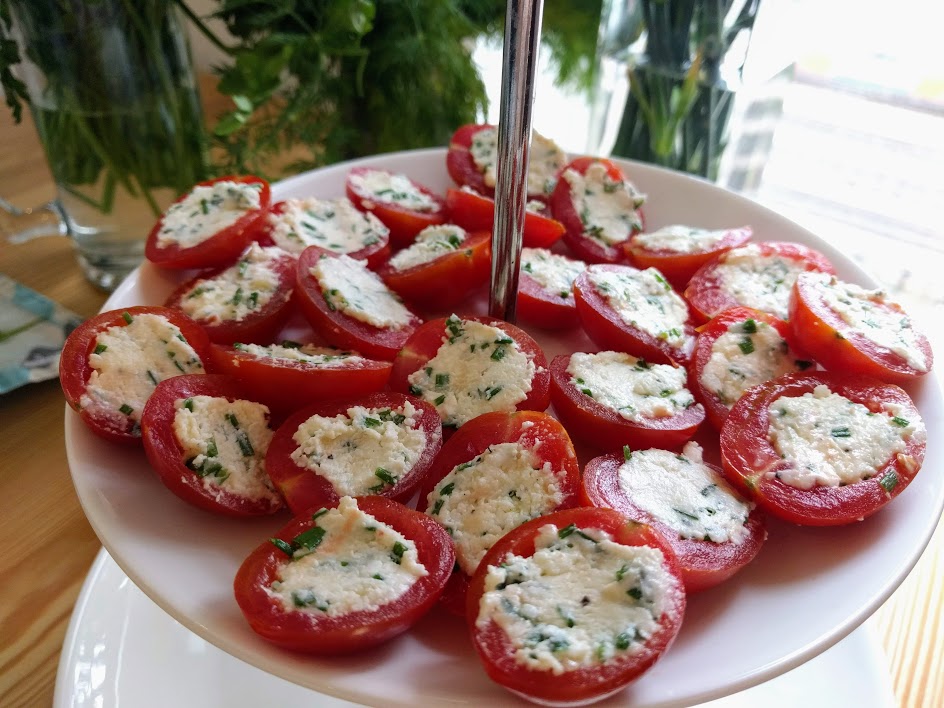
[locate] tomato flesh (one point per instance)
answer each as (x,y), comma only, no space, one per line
(476,212)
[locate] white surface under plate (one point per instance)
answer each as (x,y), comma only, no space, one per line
(123,650)
(807,589)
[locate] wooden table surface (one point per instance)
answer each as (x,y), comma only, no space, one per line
(47,546)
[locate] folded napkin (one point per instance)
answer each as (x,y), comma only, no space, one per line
(32,331)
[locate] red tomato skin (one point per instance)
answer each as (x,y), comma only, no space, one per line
(562,208)
(708,334)
(305,632)
(256,327)
(74,368)
(336,327)
(703,564)
(705,291)
(476,212)
(579,686)
(608,331)
(597,425)
(838,347)
(404,223)
(747,456)
(459,163)
(447,279)
(678,268)
(286,386)
(303,488)
(221,248)
(166,455)
(543,308)
(525,427)
(426,340)
(374,254)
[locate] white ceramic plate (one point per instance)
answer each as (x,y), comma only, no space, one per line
(118,636)
(807,589)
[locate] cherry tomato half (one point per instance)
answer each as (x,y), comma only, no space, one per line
(476,212)
(546,290)
(459,162)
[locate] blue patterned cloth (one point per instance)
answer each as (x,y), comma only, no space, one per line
(32,331)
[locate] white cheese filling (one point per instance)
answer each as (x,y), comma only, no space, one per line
(760,282)
(551,271)
(749,353)
(225,442)
(354,563)
(477,369)
(206,211)
(391,188)
(238,291)
(311,354)
(362,451)
(580,600)
(606,207)
(872,315)
(685,494)
(680,239)
(431,243)
(350,287)
(645,300)
(827,440)
(632,387)
(481,500)
(332,224)
(129,361)
(546,158)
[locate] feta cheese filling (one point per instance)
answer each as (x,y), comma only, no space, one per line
(310,354)
(606,207)
(872,315)
(128,361)
(363,451)
(348,562)
(481,500)
(240,290)
(685,494)
(580,600)
(552,272)
(546,158)
(391,188)
(632,387)
(757,281)
(350,287)
(225,442)
(644,299)
(681,239)
(431,243)
(333,224)
(827,440)
(477,369)
(749,353)
(206,211)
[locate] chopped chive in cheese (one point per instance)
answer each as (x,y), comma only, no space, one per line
(636,392)
(238,291)
(685,494)
(803,431)
(545,159)
(333,224)
(748,353)
(224,442)
(606,207)
(310,354)
(362,451)
(758,281)
(206,211)
(644,300)
(391,188)
(872,315)
(478,379)
(481,500)
(431,243)
(134,359)
(552,272)
(351,288)
(680,239)
(348,562)
(579,601)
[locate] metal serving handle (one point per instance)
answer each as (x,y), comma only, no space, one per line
(519,59)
